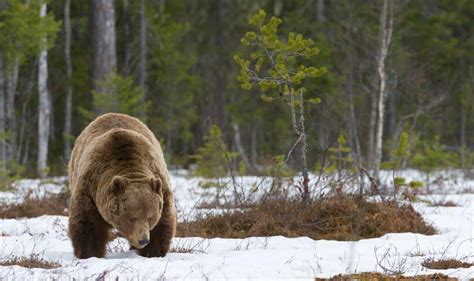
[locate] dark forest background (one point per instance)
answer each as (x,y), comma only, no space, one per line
(170,63)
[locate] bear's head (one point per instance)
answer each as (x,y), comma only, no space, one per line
(133,207)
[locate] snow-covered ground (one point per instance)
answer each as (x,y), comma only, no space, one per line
(271,258)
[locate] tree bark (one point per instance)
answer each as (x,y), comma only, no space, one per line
(44,107)
(304,150)
(240,147)
(371,129)
(104,54)
(3,152)
(67,54)
(11,71)
(219,107)
(320,17)
(386,27)
(143,52)
(143,46)
(254,145)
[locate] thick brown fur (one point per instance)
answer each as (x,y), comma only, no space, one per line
(119,179)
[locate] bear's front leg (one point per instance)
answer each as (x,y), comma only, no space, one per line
(160,237)
(88,231)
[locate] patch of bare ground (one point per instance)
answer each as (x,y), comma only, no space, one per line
(446,264)
(336,218)
(369,276)
(30,262)
(55,204)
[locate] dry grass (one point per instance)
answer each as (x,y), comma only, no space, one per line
(30,262)
(445,264)
(55,204)
(366,276)
(339,218)
(448,203)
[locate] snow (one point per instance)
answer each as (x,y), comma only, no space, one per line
(268,258)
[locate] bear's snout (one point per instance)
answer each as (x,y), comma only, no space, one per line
(144,242)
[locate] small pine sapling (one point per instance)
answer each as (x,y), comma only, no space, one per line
(213,159)
(431,155)
(276,64)
(399,156)
(340,162)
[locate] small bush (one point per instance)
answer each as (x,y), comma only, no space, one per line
(446,264)
(55,204)
(30,262)
(337,218)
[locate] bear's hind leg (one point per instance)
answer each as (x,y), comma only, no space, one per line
(88,231)
(160,237)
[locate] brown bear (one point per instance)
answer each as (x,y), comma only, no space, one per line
(118,179)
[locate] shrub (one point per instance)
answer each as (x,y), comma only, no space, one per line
(30,262)
(339,218)
(213,159)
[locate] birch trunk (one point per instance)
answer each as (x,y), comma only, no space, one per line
(44,110)
(386,27)
(67,54)
(3,152)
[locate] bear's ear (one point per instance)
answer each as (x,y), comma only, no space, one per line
(156,185)
(118,185)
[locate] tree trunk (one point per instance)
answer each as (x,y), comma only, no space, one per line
(240,147)
(3,152)
(303,149)
(104,54)
(352,115)
(386,26)
(320,11)
(219,107)
(143,47)
(67,54)
(371,138)
(11,72)
(254,145)
(44,107)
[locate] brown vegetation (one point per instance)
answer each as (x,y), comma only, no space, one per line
(55,204)
(366,276)
(448,203)
(446,264)
(339,218)
(30,262)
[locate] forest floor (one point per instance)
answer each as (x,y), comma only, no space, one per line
(38,248)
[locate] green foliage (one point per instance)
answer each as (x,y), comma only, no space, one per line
(173,86)
(400,153)
(123,97)
(276,63)
(431,155)
(339,157)
(277,168)
(22,30)
(213,159)
(14,172)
